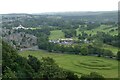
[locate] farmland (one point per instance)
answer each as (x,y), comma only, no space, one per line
(79,64)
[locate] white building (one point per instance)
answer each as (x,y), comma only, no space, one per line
(20,27)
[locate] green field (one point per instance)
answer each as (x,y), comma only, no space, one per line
(80,64)
(56,34)
(106,29)
(102,28)
(111,48)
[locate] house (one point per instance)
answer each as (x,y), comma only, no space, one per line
(66,40)
(20,27)
(63,41)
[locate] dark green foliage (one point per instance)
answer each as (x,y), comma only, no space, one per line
(92,25)
(107,38)
(34,63)
(8,74)
(69,33)
(16,67)
(61,20)
(92,76)
(49,69)
(83,36)
(107,53)
(118,55)
(14,63)
(72,76)
(84,51)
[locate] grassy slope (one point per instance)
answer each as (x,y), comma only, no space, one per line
(56,34)
(111,48)
(103,28)
(79,64)
(106,29)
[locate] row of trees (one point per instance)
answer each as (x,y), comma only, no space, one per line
(75,49)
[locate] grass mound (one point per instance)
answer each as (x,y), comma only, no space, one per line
(94,64)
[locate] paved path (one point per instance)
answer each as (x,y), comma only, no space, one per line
(31,48)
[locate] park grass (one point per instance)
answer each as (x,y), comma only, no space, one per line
(106,29)
(56,34)
(80,64)
(102,28)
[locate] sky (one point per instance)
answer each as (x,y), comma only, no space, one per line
(41,6)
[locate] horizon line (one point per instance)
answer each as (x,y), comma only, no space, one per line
(56,12)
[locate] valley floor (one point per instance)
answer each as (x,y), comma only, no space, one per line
(80,64)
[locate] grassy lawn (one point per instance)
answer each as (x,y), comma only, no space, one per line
(56,34)
(102,28)
(80,64)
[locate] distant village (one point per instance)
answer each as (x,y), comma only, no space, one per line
(67,41)
(22,41)
(21,27)
(19,40)
(63,41)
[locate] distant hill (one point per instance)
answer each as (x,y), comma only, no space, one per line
(83,13)
(55,18)
(90,16)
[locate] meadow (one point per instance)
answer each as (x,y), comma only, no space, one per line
(80,64)
(102,28)
(56,34)
(106,29)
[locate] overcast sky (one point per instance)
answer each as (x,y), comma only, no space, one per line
(40,6)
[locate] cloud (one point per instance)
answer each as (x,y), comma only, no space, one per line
(38,6)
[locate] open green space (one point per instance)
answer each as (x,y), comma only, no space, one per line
(56,34)
(102,28)
(80,64)
(111,48)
